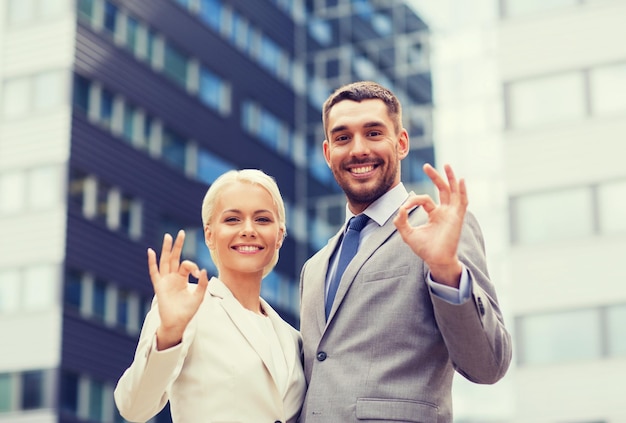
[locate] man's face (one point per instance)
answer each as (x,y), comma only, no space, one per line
(364,150)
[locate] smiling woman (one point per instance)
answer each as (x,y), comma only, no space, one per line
(205,336)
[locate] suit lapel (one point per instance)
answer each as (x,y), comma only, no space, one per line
(319,285)
(378,237)
(239,316)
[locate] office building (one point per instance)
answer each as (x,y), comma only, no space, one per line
(115,117)
(531,108)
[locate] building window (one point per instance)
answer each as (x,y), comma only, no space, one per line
(612,207)
(175,65)
(551,216)
(546,100)
(214,92)
(35,93)
(81,93)
(9,290)
(560,337)
(99,300)
(111,14)
(616,321)
(608,89)
(6,391)
(173,149)
(16,97)
(211,166)
(261,123)
(12,192)
(211,13)
(73,290)
(45,187)
(69,392)
(32,390)
(516,8)
(86,10)
(39,287)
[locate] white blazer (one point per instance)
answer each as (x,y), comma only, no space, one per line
(220,371)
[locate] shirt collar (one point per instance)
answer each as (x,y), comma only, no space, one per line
(383,208)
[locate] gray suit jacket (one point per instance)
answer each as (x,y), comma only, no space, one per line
(390,347)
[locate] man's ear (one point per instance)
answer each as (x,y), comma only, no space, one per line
(403,144)
(326,150)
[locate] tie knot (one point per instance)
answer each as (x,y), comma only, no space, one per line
(358,222)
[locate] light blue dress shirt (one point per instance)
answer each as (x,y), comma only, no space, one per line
(379,212)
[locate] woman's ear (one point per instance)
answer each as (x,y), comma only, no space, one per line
(208,237)
(281,238)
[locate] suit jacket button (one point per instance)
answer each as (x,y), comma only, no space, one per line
(481,307)
(321,356)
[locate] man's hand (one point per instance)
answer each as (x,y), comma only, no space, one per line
(437,240)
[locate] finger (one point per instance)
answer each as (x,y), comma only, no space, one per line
(423,200)
(187,268)
(153,269)
(463,192)
(452,182)
(203,282)
(401,221)
(164,262)
(440,183)
(177,251)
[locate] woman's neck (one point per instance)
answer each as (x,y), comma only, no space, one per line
(246,288)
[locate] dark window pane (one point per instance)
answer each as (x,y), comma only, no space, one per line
(81,93)
(173,151)
(73,289)
(99,299)
(69,392)
(110,17)
(32,390)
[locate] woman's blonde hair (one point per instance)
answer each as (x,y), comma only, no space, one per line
(249,176)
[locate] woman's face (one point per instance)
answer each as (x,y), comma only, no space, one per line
(244,232)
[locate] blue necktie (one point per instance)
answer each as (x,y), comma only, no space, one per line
(349,246)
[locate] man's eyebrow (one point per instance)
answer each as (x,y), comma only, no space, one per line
(371,124)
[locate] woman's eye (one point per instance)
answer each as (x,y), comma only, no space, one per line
(231,220)
(264,220)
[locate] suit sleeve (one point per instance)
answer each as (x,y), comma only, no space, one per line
(474,332)
(142,390)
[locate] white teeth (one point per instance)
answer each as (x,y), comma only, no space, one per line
(363,169)
(247,248)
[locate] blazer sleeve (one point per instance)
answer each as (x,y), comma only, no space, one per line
(478,343)
(142,390)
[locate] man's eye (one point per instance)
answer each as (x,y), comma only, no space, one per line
(342,138)
(374,134)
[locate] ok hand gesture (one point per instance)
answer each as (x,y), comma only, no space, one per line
(437,240)
(177,303)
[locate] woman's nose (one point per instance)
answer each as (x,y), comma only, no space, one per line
(248,228)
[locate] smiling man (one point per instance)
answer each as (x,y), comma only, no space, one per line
(384,333)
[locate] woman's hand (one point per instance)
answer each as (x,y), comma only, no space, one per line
(170,279)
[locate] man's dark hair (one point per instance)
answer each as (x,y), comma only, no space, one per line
(364,90)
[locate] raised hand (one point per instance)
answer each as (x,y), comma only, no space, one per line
(437,240)
(177,303)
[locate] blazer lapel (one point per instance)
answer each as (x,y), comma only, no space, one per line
(238,315)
